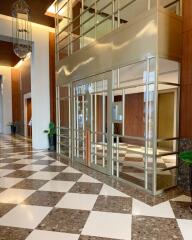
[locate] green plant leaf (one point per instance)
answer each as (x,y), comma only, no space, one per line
(186,157)
(52,129)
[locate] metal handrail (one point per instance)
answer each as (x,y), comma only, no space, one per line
(114,15)
(171,4)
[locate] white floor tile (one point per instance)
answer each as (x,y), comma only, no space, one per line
(161,210)
(15,153)
(186,228)
(25,216)
(6,182)
(4,172)
(47,235)
(108,225)
(70,170)
(57,186)
(86,178)
(182,198)
(47,158)
(19,156)
(44,175)
(77,201)
(15,195)
(57,163)
(25,161)
(109,191)
(33,167)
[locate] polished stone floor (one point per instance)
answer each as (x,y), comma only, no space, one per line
(42,196)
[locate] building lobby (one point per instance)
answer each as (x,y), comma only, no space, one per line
(96,120)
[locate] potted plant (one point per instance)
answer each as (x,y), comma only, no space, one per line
(51,132)
(186,157)
(13,128)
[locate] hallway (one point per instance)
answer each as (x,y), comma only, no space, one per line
(42,196)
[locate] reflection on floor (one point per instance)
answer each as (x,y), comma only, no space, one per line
(131,164)
(43,198)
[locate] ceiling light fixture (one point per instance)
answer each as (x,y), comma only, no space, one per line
(21,29)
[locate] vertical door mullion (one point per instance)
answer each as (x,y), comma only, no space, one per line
(154,189)
(72,122)
(146,135)
(91,121)
(103,123)
(59,120)
(70,128)
(83,137)
(109,123)
(77,114)
(95,130)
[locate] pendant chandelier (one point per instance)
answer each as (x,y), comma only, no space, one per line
(21,29)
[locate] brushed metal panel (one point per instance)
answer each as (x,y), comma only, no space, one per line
(131,42)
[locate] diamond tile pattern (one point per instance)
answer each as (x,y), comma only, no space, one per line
(43,198)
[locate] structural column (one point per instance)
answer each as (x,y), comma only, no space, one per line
(40,90)
(186,90)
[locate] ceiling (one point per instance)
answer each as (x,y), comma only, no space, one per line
(38,9)
(7,56)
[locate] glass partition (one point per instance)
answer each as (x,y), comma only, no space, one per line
(125,122)
(90,123)
(132,127)
(168,122)
(64,121)
(78,23)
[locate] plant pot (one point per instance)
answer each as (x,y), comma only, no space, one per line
(13,130)
(52,142)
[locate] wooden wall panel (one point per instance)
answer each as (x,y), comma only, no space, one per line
(186,73)
(7,55)
(26,76)
(52,76)
(16,99)
(186,93)
(64,113)
(186,112)
(99,114)
(134,110)
(21,84)
(76,30)
(186,77)
(187,15)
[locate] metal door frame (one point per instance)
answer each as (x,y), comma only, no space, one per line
(90,80)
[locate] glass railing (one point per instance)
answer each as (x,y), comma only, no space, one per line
(79,23)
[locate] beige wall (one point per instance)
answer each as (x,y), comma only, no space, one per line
(166,118)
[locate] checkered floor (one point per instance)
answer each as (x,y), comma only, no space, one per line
(44,198)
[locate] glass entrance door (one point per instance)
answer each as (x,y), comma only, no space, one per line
(91,123)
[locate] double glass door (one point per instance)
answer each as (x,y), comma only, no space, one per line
(90,123)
